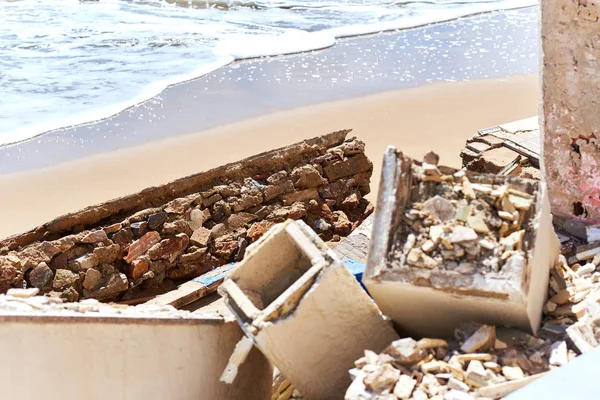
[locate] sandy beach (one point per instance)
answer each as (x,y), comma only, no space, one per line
(435,117)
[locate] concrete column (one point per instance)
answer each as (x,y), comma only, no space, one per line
(570,116)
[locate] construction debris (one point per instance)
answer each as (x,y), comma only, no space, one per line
(460,247)
(144,244)
(439,369)
(508,150)
(304,310)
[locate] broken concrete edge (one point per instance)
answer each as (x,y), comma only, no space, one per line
(162,194)
(86,314)
(297,329)
(504,304)
(244,309)
(128,359)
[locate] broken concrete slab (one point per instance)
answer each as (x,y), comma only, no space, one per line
(304,310)
(501,278)
(511,149)
(121,352)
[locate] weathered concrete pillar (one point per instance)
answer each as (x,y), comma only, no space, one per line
(570,111)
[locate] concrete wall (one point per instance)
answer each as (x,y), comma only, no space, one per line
(569,117)
(62,358)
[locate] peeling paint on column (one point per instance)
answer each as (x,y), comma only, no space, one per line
(571,96)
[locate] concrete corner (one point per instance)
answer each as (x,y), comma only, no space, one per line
(450,247)
(304,310)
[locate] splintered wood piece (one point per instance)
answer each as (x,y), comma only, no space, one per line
(195,289)
(239,355)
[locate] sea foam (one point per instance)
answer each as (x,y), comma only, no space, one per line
(70,62)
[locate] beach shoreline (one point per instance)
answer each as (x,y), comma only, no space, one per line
(458,50)
(437,117)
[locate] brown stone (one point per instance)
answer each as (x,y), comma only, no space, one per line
(69,295)
(200,237)
(59,261)
(49,249)
(273,191)
(351,202)
(297,211)
(92,278)
(169,249)
(195,255)
(240,220)
(138,267)
(228,190)
(210,200)
(180,205)
(303,195)
(246,201)
(341,225)
(176,227)
(140,246)
(306,177)
(112,228)
(64,278)
(109,288)
(258,229)
(41,275)
(348,167)
(277,177)
(95,237)
(198,218)
(224,250)
(191,270)
(107,254)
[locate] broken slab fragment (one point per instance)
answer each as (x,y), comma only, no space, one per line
(304,310)
(423,262)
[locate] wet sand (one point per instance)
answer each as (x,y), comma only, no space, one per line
(435,117)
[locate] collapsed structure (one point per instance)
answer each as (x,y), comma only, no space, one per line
(459,246)
(304,310)
(139,245)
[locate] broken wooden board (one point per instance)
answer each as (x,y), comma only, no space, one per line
(195,289)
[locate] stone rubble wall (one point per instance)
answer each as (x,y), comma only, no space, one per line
(144,243)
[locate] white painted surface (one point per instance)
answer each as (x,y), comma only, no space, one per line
(93,358)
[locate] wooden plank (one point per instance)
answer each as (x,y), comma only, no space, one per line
(195,289)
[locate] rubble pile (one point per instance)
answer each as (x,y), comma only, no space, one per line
(574,302)
(28,302)
(475,365)
(509,150)
(132,254)
(462,226)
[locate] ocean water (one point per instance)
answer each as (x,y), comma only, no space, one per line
(68,62)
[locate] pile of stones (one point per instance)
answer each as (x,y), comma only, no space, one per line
(462,226)
(28,302)
(477,363)
(150,251)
